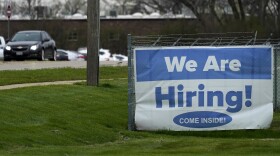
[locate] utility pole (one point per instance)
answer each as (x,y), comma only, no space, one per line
(93,33)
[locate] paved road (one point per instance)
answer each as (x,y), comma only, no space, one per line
(22,65)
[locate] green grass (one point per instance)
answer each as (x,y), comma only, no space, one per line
(61,74)
(82,120)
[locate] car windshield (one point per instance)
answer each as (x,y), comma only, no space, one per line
(27,36)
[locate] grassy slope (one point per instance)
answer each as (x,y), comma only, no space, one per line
(61,115)
(81,120)
(61,74)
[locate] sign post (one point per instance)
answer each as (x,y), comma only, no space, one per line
(9,13)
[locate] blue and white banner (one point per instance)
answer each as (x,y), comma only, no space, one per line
(203,88)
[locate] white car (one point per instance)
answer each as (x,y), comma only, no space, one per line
(119,57)
(69,55)
(74,56)
(82,50)
(2,46)
(104,54)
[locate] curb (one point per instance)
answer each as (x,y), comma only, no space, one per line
(13,86)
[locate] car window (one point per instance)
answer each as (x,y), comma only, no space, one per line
(61,53)
(27,36)
(120,58)
(47,36)
(44,36)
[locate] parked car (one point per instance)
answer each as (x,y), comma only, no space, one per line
(119,57)
(2,45)
(61,55)
(82,50)
(75,56)
(32,44)
(69,55)
(104,54)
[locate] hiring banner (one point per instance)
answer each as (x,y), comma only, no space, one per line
(203,88)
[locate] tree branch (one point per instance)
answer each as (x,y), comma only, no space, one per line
(234,9)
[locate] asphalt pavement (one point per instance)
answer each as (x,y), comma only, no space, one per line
(30,65)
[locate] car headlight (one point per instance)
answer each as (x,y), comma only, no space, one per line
(34,47)
(8,48)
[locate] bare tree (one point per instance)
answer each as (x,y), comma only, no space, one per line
(30,7)
(26,8)
(262,10)
(273,9)
(123,5)
(194,6)
(74,6)
(161,6)
(256,8)
(2,8)
(212,6)
(55,9)
(234,8)
(277,3)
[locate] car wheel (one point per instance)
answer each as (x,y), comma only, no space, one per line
(42,56)
(6,59)
(54,55)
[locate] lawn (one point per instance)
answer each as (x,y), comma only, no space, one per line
(60,74)
(81,120)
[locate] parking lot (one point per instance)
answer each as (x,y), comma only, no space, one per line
(29,65)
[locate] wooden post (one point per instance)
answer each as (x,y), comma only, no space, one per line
(93,34)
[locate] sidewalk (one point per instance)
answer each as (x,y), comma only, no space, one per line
(38,84)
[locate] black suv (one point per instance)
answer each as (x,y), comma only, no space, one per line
(30,45)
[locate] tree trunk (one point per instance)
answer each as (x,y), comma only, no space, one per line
(241,8)
(214,13)
(193,8)
(234,9)
(278,13)
(262,10)
(29,7)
